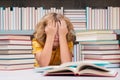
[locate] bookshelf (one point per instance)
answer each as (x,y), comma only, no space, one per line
(66,4)
(43,5)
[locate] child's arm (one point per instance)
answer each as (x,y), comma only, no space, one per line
(65,54)
(44,56)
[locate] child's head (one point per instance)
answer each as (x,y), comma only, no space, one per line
(40,34)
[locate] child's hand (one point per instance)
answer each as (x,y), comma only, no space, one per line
(51,28)
(62,28)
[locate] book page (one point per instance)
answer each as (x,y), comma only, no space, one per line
(91,72)
(91,66)
(61,71)
(42,69)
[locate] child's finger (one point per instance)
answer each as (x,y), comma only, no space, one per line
(58,24)
(53,23)
(61,23)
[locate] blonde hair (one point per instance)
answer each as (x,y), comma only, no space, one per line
(40,34)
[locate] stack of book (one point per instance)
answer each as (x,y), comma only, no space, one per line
(100,45)
(77,17)
(16,52)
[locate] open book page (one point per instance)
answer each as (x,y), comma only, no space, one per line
(82,68)
(42,69)
(91,72)
(70,64)
(75,64)
(91,66)
(69,69)
(60,71)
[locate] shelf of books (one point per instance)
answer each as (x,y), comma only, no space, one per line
(16,52)
(97,32)
(98,45)
(17,19)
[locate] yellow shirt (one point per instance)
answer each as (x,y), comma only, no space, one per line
(55,58)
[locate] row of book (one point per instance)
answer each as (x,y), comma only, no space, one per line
(98,46)
(103,19)
(25,18)
(16,52)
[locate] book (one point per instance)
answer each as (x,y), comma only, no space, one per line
(95,32)
(100,46)
(16,37)
(16,61)
(72,64)
(102,56)
(8,47)
(82,69)
(101,42)
(116,65)
(42,69)
(117,51)
(17,56)
(19,42)
(97,36)
(16,66)
(112,61)
(16,51)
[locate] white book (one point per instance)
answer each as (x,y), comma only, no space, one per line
(109,60)
(82,69)
(6,47)
(102,56)
(100,42)
(16,56)
(17,67)
(20,51)
(95,32)
(20,37)
(100,52)
(16,61)
(101,47)
(99,36)
(10,41)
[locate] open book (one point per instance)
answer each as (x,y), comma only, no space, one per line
(82,69)
(70,64)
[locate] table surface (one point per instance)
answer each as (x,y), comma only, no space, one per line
(32,75)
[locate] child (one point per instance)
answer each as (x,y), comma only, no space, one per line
(53,40)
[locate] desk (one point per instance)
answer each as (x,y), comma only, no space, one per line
(32,75)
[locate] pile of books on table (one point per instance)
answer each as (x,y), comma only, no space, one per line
(16,52)
(100,45)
